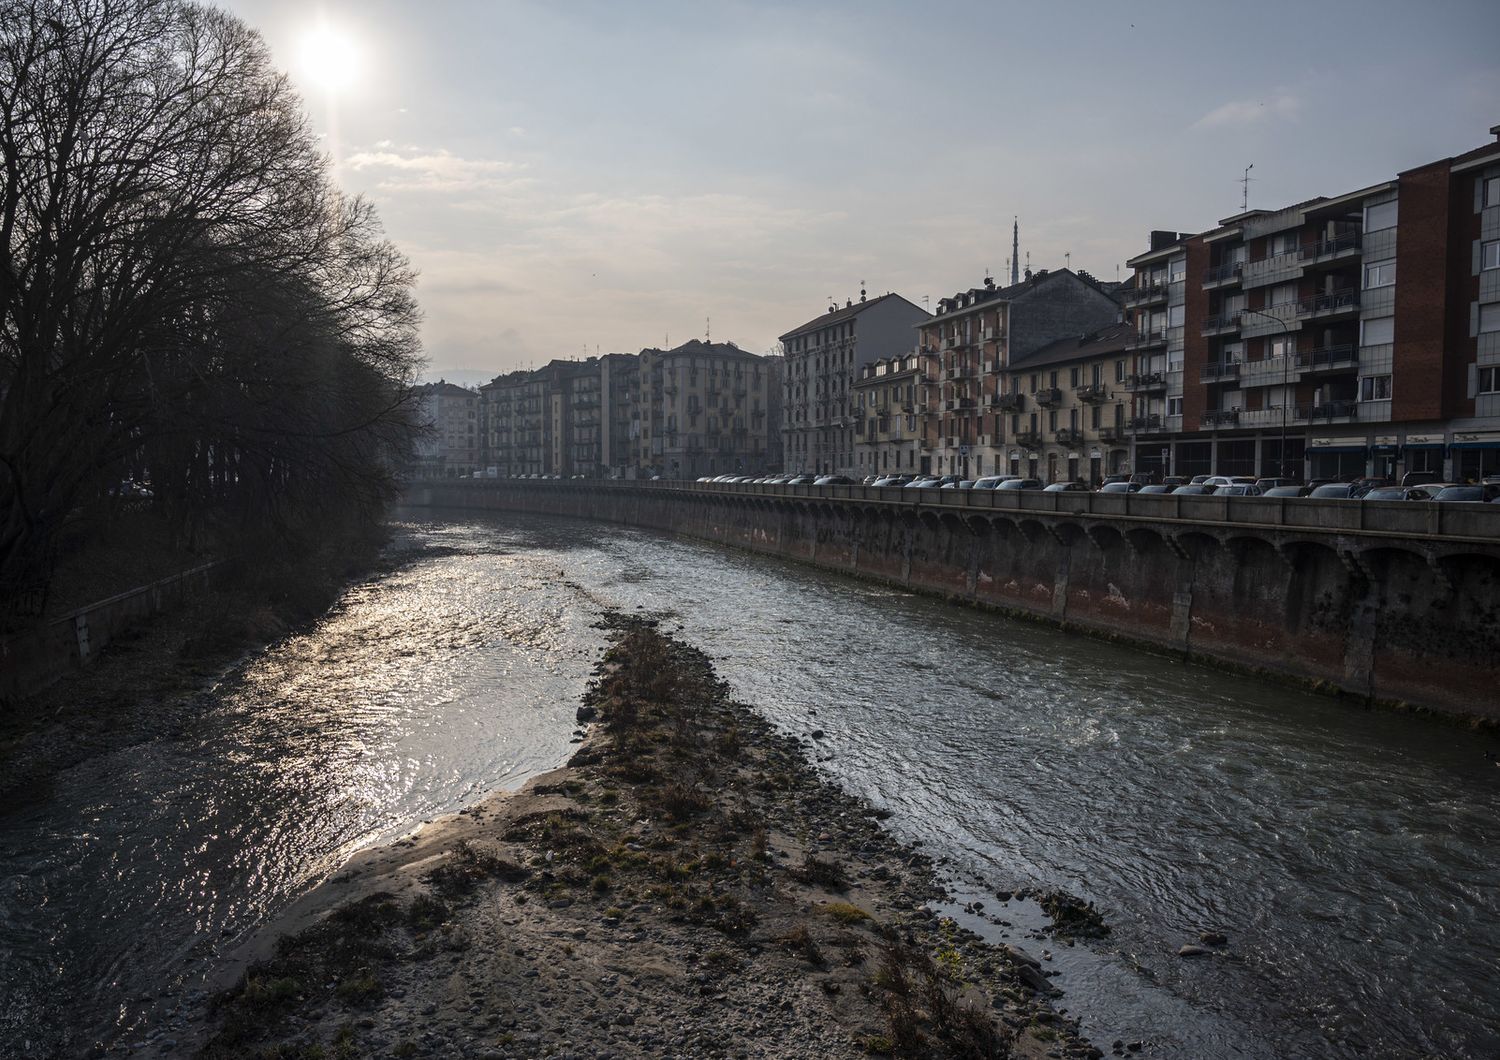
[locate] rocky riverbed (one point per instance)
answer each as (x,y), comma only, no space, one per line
(685,886)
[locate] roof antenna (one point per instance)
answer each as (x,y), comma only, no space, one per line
(1067,259)
(1245,183)
(1015,251)
(708,330)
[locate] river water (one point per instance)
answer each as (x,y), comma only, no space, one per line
(1349,856)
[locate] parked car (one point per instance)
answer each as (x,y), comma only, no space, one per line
(1237,489)
(922,482)
(1173,480)
(961,484)
(1229,480)
(1267,483)
(1193,489)
(1198,480)
(1470,494)
(1346,491)
(1286,491)
(1121,487)
(1397,493)
(1159,487)
(990,482)
(834,480)
(892,480)
(802,480)
(1114,478)
(1066,487)
(1020,484)
(1421,478)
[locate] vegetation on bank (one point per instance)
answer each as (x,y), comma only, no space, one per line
(195,323)
(684,837)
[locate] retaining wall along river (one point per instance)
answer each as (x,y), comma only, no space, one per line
(1395,602)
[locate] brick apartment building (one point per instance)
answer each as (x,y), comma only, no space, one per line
(1346,335)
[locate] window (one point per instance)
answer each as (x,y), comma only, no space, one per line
(1175,316)
(1489,318)
(1094,417)
(1052,380)
(1119,371)
(1380,273)
(1375,388)
(1285,243)
(1174,406)
(1378,331)
(1073,378)
(1489,380)
(1282,294)
(1489,255)
(1381,215)
(1052,420)
(1492,191)
(1177,270)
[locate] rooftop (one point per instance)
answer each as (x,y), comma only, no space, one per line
(837,315)
(1101,343)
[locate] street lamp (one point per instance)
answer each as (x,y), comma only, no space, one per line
(1286,355)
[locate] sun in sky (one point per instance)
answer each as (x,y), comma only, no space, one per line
(329,58)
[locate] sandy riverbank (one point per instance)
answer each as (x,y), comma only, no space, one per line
(685,886)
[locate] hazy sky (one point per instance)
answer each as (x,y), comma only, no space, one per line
(569,176)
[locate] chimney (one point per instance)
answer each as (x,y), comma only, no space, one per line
(1028,272)
(1495,131)
(1161,239)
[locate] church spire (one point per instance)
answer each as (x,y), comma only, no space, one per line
(1015,251)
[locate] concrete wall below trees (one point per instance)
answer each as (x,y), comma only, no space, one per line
(29,662)
(1389,614)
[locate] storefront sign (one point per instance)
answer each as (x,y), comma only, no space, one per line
(1413,440)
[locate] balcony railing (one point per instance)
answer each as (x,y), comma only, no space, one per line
(1332,302)
(1329,247)
(1329,358)
(1220,273)
(1111,434)
(1147,293)
(1029,439)
(1069,436)
(1221,322)
(1221,417)
(1048,396)
(1094,392)
(1008,402)
(1212,372)
(1151,422)
(1145,380)
(1151,337)
(1328,411)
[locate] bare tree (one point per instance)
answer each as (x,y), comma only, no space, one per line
(181,287)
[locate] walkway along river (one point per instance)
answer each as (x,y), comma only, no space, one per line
(1349,856)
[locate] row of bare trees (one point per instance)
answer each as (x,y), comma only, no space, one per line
(184,293)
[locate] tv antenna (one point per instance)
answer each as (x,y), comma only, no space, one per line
(708,330)
(1245,184)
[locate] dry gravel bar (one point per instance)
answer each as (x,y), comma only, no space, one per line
(686,886)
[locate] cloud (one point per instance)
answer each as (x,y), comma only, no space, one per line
(1281,106)
(412,169)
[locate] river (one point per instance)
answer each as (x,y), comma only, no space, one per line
(1348,855)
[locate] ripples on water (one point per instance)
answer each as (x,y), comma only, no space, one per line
(1348,855)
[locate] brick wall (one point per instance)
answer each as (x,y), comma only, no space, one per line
(1422,264)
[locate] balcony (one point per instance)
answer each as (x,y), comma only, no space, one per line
(1048,397)
(1151,292)
(1328,412)
(1219,372)
(1111,434)
(1341,358)
(1008,402)
(958,371)
(1145,423)
(1029,439)
(1153,337)
(1223,273)
(1331,304)
(1093,392)
(1069,436)
(1221,322)
(1329,249)
(1146,381)
(1215,418)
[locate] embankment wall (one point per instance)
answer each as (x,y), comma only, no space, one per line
(1399,607)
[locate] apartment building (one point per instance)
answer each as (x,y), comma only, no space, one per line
(620,426)
(1073,428)
(450,445)
(972,341)
(823,359)
(890,407)
(511,414)
(1357,334)
(706,409)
